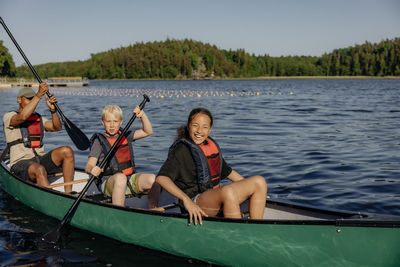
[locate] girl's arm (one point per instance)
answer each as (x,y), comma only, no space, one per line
(235,176)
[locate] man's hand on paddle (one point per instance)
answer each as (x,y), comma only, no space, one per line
(51,101)
(43,89)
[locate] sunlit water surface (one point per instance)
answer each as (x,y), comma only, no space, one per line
(326,143)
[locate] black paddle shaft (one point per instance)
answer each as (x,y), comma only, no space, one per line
(77,136)
(53,236)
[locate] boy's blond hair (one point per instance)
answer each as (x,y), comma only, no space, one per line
(113,109)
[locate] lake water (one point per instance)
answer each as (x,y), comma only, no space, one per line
(327,143)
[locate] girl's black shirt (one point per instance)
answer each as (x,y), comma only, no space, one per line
(181,169)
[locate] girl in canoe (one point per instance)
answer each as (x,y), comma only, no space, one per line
(120,178)
(194,168)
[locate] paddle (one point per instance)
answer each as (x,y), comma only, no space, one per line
(77,136)
(54,235)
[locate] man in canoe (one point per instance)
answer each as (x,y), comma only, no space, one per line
(119,176)
(194,168)
(24,130)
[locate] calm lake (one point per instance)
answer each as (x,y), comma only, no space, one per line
(327,143)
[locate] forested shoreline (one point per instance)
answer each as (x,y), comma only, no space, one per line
(189,59)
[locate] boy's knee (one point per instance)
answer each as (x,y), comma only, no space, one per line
(148,182)
(120,179)
(152,179)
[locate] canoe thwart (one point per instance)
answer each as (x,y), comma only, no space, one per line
(67,183)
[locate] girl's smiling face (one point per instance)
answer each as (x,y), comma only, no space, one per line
(199,128)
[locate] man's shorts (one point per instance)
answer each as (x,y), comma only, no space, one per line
(20,168)
(133,180)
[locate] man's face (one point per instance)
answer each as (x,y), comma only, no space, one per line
(23,101)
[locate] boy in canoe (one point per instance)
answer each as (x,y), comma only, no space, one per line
(119,176)
(194,168)
(24,130)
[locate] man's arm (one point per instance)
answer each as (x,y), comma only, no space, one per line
(55,124)
(27,111)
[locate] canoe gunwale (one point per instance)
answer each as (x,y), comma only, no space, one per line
(346,218)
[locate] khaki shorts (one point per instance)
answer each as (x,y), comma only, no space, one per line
(133,180)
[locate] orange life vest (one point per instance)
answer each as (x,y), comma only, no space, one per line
(123,159)
(208,160)
(32,132)
(213,155)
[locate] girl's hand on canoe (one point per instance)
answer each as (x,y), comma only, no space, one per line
(195,212)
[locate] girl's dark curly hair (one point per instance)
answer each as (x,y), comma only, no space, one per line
(183,131)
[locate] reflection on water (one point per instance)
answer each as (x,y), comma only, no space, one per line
(21,229)
(328,143)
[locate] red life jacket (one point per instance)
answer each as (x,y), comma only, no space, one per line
(32,132)
(123,159)
(208,160)
(211,151)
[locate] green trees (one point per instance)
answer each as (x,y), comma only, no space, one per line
(382,59)
(7,66)
(189,59)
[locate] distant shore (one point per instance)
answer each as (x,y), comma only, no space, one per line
(325,77)
(265,78)
(9,82)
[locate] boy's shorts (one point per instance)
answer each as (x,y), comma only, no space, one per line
(134,180)
(20,168)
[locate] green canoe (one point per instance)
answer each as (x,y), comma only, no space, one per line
(289,235)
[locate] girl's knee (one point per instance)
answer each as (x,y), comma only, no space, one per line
(260,183)
(228,193)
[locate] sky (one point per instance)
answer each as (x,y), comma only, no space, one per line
(71,30)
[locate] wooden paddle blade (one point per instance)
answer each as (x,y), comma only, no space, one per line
(77,136)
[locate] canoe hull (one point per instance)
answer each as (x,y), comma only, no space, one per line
(222,241)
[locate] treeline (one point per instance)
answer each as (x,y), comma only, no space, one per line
(188,59)
(7,65)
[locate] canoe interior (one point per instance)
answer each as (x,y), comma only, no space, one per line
(273,210)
